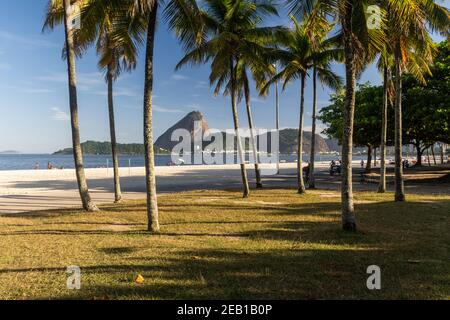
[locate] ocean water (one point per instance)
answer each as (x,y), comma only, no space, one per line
(29,161)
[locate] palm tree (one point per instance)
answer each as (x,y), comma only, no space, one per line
(150,176)
(296,56)
(357,41)
(411,18)
(230,35)
(260,72)
(117,51)
(253,141)
(61,7)
(324,51)
(384,123)
(294,59)
(136,19)
(277,119)
(244,92)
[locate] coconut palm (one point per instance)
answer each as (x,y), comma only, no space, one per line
(135,19)
(385,66)
(260,71)
(253,142)
(411,19)
(143,15)
(384,122)
(297,55)
(149,10)
(324,51)
(230,35)
(358,42)
(117,51)
(61,7)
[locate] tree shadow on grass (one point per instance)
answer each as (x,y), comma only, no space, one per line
(263,274)
(278,259)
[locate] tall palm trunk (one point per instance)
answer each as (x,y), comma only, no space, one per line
(150,177)
(86,200)
(382,185)
(277,120)
(300,181)
(399,187)
(348,216)
(112,129)
(252,134)
(312,183)
(236,128)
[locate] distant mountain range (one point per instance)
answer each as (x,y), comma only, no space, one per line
(287,142)
(9,152)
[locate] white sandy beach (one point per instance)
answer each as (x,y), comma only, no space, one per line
(30,190)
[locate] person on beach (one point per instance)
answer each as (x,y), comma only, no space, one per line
(49,166)
(36,166)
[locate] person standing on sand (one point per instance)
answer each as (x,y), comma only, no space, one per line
(49,166)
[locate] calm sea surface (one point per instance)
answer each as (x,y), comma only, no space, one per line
(29,161)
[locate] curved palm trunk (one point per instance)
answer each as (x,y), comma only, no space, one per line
(382,185)
(300,181)
(312,183)
(399,187)
(252,135)
(86,200)
(236,128)
(112,129)
(150,177)
(348,215)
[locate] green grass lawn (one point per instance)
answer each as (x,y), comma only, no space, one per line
(214,244)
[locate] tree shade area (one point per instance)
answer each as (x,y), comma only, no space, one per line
(214,245)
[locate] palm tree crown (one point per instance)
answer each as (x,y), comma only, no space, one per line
(230,36)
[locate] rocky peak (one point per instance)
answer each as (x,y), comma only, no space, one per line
(187,123)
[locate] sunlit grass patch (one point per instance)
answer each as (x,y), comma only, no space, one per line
(214,244)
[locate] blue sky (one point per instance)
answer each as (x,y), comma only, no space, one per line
(34,94)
